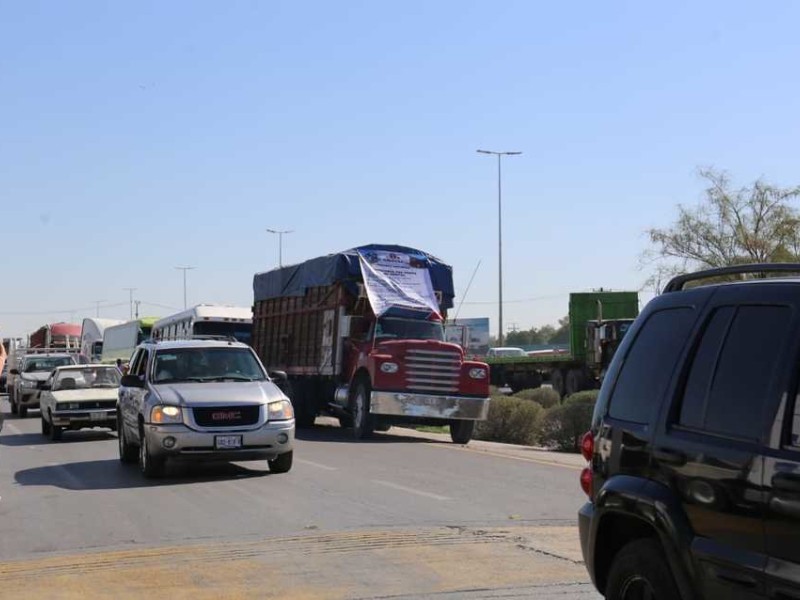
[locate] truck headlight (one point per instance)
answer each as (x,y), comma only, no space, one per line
(281,410)
(477,373)
(166,414)
(390,367)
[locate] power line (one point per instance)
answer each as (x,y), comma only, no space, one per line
(63,311)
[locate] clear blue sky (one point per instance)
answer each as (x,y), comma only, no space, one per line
(139,136)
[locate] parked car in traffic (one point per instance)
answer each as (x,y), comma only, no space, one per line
(33,369)
(694,449)
(79,397)
(202,400)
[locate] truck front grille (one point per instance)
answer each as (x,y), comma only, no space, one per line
(226,416)
(433,370)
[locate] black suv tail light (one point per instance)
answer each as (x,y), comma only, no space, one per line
(587,446)
(586,481)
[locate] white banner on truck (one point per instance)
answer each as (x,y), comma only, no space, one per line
(397,280)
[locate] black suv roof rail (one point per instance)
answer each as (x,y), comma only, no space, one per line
(676,284)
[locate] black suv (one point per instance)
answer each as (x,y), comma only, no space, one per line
(694,449)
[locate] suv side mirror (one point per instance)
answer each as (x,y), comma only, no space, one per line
(279,376)
(131,381)
(14,371)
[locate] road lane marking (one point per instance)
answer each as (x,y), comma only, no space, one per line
(316,464)
(403,488)
(445,446)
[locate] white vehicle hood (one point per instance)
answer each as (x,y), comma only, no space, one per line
(214,393)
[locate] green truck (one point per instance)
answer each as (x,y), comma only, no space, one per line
(598,321)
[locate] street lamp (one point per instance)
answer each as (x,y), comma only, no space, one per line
(280,233)
(499,156)
(184,269)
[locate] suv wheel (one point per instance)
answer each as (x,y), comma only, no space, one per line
(281,464)
(150,466)
(640,572)
(127,452)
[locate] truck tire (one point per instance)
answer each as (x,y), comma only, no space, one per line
(575,382)
(363,421)
(640,570)
(461,431)
(557,381)
(282,463)
(304,402)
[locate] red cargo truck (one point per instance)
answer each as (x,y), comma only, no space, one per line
(56,335)
(360,336)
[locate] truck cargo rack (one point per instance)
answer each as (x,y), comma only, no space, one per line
(678,283)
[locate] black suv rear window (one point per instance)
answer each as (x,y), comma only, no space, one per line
(733,372)
(649,363)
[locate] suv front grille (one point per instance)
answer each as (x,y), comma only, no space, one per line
(433,370)
(226,416)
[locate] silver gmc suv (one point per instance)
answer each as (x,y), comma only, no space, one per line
(202,400)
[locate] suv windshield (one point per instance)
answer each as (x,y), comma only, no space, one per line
(408,329)
(85,378)
(206,364)
(46,363)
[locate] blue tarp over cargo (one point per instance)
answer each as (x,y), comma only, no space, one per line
(343,267)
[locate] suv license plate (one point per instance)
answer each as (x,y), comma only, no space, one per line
(226,442)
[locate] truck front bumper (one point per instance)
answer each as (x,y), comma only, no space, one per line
(407,404)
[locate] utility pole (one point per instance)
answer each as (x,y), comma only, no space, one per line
(97,302)
(137,303)
(280,233)
(184,269)
(130,291)
(499,156)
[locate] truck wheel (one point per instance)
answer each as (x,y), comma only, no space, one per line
(363,422)
(305,412)
(281,464)
(127,453)
(150,466)
(640,570)
(461,431)
(575,382)
(557,381)
(346,422)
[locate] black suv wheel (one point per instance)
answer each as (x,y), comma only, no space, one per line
(640,572)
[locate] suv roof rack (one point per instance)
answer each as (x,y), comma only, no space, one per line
(677,284)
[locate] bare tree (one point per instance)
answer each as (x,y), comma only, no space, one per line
(731,226)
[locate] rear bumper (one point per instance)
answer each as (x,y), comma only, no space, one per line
(587,534)
(266,442)
(406,404)
(97,417)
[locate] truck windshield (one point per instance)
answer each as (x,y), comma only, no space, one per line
(408,329)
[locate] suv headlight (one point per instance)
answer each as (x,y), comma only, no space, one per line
(166,414)
(28,383)
(390,367)
(477,373)
(281,410)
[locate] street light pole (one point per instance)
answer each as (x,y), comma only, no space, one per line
(499,156)
(280,233)
(130,291)
(184,269)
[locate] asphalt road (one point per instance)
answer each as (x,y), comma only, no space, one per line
(395,517)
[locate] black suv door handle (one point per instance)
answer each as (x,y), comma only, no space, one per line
(670,456)
(786,482)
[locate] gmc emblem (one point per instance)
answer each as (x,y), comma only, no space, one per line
(228,415)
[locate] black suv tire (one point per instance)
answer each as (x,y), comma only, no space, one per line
(638,567)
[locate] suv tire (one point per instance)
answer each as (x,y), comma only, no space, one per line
(281,464)
(638,567)
(151,466)
(127,453)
